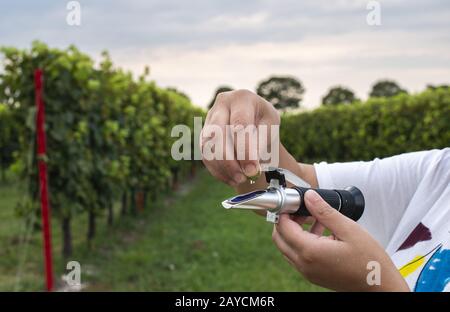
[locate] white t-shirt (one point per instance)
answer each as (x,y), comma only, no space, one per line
(407,210)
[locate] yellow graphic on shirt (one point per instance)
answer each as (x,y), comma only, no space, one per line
(410,267)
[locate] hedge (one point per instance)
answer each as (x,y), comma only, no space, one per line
(379,127)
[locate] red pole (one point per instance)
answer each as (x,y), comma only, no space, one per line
(42,166)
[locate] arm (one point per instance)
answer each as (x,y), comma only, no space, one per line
(338,264)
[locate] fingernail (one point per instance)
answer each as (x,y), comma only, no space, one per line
(238,128)
(239,178)
(250,170)
(312,196)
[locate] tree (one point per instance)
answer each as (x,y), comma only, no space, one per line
(437,87)
(177,91)
(339,95)
(219,90)
(386,88)
(282,91)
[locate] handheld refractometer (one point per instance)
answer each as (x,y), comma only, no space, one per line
(278,198)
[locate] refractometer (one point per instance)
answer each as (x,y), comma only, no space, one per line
(278,198)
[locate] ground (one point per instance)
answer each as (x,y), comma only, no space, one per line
(187,242)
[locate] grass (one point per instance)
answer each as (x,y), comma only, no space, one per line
(184,243)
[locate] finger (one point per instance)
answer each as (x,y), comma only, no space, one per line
(230,165)
(329,217)
(317,228)
(232,169)
(243,122)
(223,170)
(300,220)
(220,169)
(303,220)
(227,171)
(293,234)
(218,150)
(214,128)
(217,172)
(285,249)
(289,261)
(218,117)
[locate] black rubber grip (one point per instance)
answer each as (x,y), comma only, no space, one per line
(349,202)
(330,196)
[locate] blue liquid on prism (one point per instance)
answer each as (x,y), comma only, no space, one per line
(245,197)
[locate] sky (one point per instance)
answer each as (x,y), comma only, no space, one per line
(197,45)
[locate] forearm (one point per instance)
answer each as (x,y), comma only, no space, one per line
(287,161)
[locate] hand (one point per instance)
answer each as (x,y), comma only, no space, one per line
(240,108)
(339,261)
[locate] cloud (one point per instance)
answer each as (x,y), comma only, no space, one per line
(231,22)
(355,59)
(197,45)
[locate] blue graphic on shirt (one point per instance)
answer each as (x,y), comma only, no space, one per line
(435,274)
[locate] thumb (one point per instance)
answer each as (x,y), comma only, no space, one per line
(344,228)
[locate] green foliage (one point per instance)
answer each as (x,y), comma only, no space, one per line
(8,134)
(282,92)
(378,128)
(339,95)
(434,87)
(107,133)
(219,90)
(181,93)
(386,88)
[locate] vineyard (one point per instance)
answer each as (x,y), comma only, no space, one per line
(132,215)
(108,136)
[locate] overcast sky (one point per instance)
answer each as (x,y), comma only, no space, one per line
(196,45)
